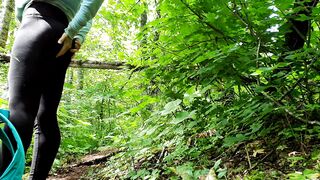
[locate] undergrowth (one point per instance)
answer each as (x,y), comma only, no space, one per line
(217,92)
(214,90)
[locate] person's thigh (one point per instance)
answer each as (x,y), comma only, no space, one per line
(34,48)
(26,75)
(52,87)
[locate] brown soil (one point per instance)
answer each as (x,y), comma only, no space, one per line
(80,169)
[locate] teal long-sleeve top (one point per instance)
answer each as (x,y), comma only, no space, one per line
(78,12)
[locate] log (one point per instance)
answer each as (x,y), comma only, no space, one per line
(97,65)
(83,64)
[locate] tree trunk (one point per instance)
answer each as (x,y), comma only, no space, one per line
(80,77)
(158,16)
(70,77)
(69,80)
(5,19)
(299,30)
(143,22)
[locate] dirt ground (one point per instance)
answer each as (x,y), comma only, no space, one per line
(75,173)
(80,169)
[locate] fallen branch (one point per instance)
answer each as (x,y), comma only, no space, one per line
(97,65)
(84,64)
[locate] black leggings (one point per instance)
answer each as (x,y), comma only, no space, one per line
(36,79)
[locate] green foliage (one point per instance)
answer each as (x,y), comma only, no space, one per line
(306,174)
(222,66)
(214,92)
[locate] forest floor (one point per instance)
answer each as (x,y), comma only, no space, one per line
(268,164)
(80,169)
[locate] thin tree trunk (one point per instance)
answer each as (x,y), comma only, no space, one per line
(69,80)
(5,19)
(70,77)
(158,16)
(143,22)
(80,77)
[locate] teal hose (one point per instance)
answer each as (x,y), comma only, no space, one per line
(16,167)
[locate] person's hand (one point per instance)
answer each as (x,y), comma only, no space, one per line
(76,46)
(67,44)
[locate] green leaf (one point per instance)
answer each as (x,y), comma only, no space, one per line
(171,107)
(261,70)
(303,17)
(255,127)
(181,116)
(217,164)
(283,4)
(222,172)
(84,123)
(311,174)
(3,103)
(185,171)
(229,141)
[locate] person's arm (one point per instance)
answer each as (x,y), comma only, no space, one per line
(19,12)
(83,32)
(80,37)
(87,11)
(19,8)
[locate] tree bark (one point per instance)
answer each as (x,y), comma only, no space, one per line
(5,19)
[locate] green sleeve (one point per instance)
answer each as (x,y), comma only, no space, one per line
(87,11)
(83,32)
(19,8)
(19,12)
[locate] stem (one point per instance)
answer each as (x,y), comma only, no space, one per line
(202,19)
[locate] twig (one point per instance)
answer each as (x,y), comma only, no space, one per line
(246,22)
(248,157)
(256,164)
(161,154)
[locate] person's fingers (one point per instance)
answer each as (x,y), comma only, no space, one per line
(77,46)
(63,50)
(62,38)
(74,50)
(67,43)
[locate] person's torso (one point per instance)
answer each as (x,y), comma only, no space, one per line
(69,7)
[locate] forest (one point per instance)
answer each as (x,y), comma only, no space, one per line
(189,89)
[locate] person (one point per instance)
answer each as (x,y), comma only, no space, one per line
(40,55)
